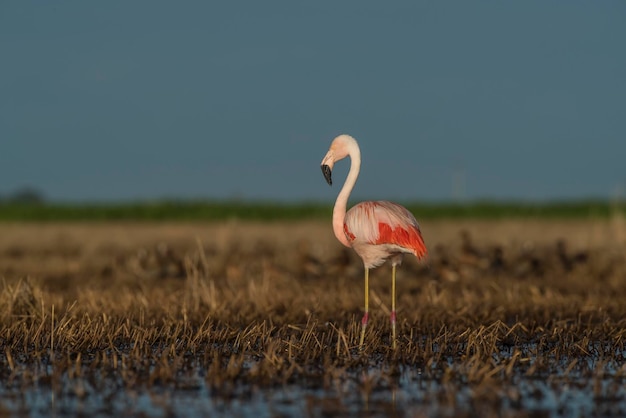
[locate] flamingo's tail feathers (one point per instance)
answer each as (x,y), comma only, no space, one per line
(419,246)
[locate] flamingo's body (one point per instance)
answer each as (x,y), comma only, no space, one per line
(376,230)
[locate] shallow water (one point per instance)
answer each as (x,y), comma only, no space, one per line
(371,393)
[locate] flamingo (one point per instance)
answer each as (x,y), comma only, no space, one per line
(376,230)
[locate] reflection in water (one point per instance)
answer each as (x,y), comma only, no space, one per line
(370,394)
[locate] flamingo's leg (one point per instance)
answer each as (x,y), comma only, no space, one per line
(366,314)
(393,306)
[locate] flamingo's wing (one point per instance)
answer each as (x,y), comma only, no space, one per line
(382,222)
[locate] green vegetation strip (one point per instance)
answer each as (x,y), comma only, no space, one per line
(267,211)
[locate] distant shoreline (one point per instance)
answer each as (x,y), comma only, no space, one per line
(188,210)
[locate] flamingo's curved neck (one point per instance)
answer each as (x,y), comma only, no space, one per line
(339,211)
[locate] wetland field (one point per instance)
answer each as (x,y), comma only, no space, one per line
(506,318)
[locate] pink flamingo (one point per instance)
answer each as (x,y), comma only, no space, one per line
(376,230)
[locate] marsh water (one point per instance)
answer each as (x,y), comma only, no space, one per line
(143,321)
(591,387)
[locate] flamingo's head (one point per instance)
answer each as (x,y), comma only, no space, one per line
(339,149)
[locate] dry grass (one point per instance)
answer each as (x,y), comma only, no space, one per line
(120,305)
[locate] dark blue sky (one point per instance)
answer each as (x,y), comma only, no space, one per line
(482,99)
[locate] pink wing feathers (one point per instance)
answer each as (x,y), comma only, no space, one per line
(382,222)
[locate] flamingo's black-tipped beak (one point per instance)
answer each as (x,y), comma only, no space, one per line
(327,174)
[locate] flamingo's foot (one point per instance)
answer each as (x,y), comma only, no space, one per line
(363,326)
